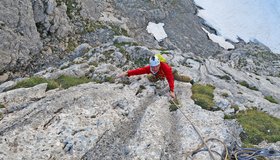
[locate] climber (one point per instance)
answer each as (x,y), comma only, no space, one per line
(158,70)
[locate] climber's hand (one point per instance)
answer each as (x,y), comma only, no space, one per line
(172,94)
(122,75)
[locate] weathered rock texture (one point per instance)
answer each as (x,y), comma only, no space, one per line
(181,24)
(44,29)
(127,118)
(121,118)
(18,34)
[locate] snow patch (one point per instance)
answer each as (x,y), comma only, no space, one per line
(220,40)
(251,20)
(157,30)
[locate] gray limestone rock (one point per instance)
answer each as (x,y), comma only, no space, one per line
(76,70)
(4,77)
(123,118)
(18,35)
(16,97)
(7,85)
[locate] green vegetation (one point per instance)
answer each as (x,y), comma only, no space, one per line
(118,30)
(141,62)
(232,116)
(1,114)
(265,55)
(203,96)
(73,11)
(69,81)
(225,94)
(72,8)
(92,26)
(2,106)
(162,51)
(229,116)
(109,79)
(271,99)
(174,104)
(181,78)
(123,51)
(33,81)
(242,62)
(61,82)
(245,84)
(258,126)
(119,45)
(72,44)
(108,53)
(93,63)
(101,79)
(235,107)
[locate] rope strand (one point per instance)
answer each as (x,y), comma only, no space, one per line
(211,154)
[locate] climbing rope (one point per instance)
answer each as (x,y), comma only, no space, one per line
(200,148)
(239,153)
(204,143)
(234,153)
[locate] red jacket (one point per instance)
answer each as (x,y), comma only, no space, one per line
(165,71)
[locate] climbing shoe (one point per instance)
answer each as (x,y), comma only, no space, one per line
(192,81)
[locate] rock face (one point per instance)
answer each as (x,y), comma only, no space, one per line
(25,26)
(18,34)
(126,118)
(44,31)
(51,18)
(82,121)
(181,24)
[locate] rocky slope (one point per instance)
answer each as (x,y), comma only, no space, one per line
(48,29)
(118,121)
(122,118)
